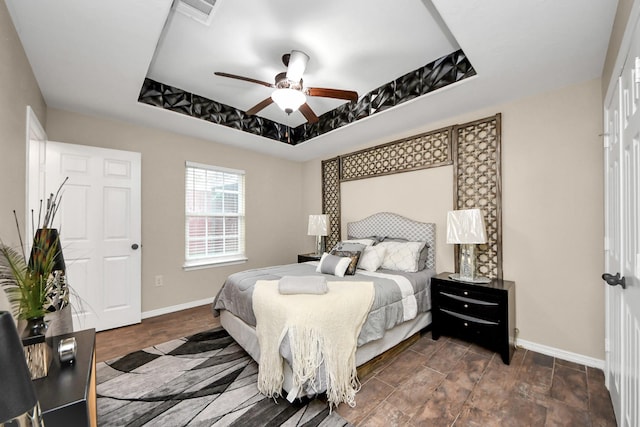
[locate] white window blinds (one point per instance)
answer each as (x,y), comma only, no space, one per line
(214,215)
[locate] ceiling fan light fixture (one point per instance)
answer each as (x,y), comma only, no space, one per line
(297,64)
(289,100)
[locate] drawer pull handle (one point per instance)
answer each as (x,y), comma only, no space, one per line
(466,306)
(466,324)
(466,293)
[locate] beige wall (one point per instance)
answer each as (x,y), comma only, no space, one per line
(18,88)
(275,226)
(421,195)
(552,212)
(619,24)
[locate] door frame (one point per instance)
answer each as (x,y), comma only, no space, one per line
(35,162)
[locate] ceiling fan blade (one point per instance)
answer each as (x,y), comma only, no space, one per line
(296,65)
(333,93)
(259,106)
(246,79)
(308,113)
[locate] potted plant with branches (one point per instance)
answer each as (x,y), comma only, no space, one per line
(36,286)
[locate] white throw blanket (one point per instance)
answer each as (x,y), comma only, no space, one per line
(320,328)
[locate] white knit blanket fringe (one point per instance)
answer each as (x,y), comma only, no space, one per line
(321,329)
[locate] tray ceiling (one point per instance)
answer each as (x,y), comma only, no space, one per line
(93,57)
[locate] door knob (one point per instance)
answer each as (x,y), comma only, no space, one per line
(134,246)
(614,280)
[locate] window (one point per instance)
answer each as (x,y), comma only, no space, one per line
(214,215)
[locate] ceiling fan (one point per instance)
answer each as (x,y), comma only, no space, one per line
(290,94)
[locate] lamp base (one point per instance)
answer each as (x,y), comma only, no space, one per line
(468,266)
(476,279)
(319,245)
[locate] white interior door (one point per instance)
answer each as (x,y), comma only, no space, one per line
(623,232)
(630,88)
(99,221)
(613,248)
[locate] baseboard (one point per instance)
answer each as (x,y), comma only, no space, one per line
(174,308)
(562,354)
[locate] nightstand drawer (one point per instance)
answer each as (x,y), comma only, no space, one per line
(470,328)
(483,309)
(468,291)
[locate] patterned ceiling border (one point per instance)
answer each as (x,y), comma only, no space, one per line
(442,72)
(473,148)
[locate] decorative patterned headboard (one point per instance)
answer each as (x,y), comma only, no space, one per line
(387,224)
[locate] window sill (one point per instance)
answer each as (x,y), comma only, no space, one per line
(210,263)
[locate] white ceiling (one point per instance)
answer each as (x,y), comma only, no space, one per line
(92,56)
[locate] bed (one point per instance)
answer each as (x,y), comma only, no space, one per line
(387,323)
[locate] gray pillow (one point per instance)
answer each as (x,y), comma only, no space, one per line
(331,264)
(355,259)
(348,246)
(376,239)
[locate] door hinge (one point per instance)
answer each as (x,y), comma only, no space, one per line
(606,243)
(606,345)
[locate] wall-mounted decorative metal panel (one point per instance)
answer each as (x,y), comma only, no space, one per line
(331,199)
(474,150)
(449,69)
(427,150)
(478,184)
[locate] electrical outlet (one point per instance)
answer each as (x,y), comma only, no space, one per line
(159,281)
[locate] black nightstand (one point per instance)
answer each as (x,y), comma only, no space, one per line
(483,313)
(308,257)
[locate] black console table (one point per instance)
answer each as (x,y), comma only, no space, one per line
(67,395)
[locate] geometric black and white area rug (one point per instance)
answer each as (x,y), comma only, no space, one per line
(206,379)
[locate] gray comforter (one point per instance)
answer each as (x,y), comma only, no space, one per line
(387,311)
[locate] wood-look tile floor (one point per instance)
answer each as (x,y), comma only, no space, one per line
(152,331)
(433,383)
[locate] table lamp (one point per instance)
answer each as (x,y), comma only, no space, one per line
(466,228)
(318,226)
(18,402)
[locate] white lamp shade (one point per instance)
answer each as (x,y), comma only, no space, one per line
(289,100)
(466,226)
(318,225)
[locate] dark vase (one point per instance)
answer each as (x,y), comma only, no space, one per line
(44,240)
(35,327)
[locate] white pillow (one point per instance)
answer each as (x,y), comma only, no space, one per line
(402,256)
(332,264)
(372,258)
